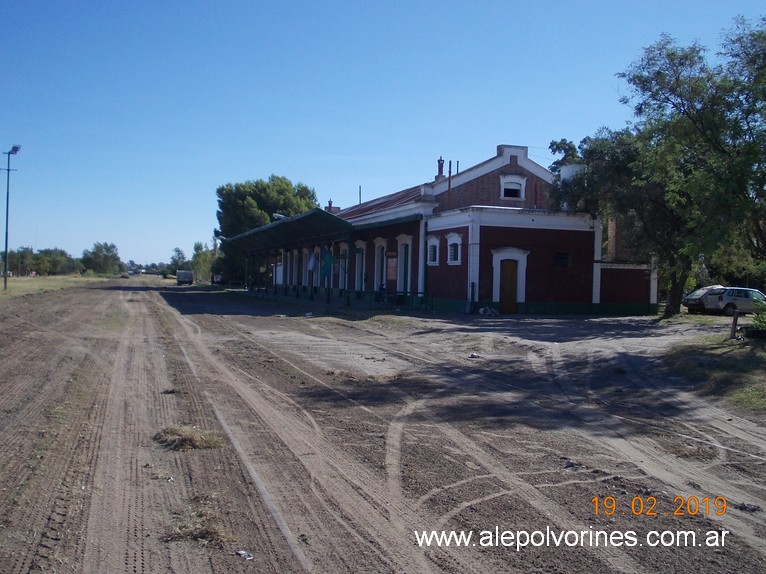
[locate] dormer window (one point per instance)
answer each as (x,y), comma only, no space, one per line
(513,187)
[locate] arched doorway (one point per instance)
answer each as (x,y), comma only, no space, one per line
(509,269)
(509,278)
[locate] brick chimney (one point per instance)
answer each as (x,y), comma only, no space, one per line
(330,208)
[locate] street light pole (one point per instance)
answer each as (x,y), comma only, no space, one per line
(13,151)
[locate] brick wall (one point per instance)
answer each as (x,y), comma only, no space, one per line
(545,281)
(625,285)
(485,190)
(449,280)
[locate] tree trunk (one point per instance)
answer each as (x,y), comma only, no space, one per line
(676,293)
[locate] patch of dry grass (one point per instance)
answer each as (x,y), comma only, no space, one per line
(19,286)
(200,521)
(730,369)
(188,438)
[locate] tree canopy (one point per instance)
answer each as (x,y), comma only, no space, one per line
(202,260)
(24,261)
(245,206)
(103,258)
(688,178)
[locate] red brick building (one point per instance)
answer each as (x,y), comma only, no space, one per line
(482,237)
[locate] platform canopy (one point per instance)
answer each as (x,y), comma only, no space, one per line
(315,226)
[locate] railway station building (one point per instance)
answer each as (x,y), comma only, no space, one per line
(484,238)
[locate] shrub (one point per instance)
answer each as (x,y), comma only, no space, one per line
(759,319)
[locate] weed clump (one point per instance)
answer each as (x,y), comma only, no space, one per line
(199,521)
(188,438)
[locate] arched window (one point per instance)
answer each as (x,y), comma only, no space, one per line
(454,251)
(432,246)
(342,266)
(403,275)
(380,262)
(359,276)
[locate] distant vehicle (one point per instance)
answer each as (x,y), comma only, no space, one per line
(694,301)
(184,277)
(727,300)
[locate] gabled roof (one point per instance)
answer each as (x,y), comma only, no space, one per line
(389,201)
(426,192)
(315,225)
(410,204)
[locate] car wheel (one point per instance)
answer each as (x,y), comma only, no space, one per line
(729,310)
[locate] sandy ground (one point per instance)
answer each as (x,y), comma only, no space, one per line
(344,437)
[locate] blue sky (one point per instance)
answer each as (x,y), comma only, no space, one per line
(131,114)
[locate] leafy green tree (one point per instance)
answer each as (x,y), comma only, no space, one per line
(688,178)
(177,261)
(202,260)
(569,152)
(54,262)
(717,116)
(620,182)
(245,206)
(102,259)
(732,263)
(42,264)
(20,262)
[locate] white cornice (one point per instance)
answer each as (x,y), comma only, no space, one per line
(490,216)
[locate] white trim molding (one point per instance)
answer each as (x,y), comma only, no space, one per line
(513,182)
(454,239)
(360,248)
(432,241)
(517,217)
(404,264)
(519,255)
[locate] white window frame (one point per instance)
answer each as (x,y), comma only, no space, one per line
(432,241)
(381,244)
(360,264)
(402,273)
(513,180)
(341,263)
(454,239)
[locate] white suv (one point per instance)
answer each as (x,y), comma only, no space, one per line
(730,299)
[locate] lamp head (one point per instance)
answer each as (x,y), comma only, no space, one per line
(14,150)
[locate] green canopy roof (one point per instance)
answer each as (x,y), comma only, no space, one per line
(317,226)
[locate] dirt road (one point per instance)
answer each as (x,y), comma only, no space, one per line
(345,440)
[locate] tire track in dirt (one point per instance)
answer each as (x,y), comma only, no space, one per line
(345,509)
(657,462)
(544,505)
(119,548)
(357,499)
(135,491)
(571,397)
(202,390)
(55,516)
(514,486)
(53,399)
